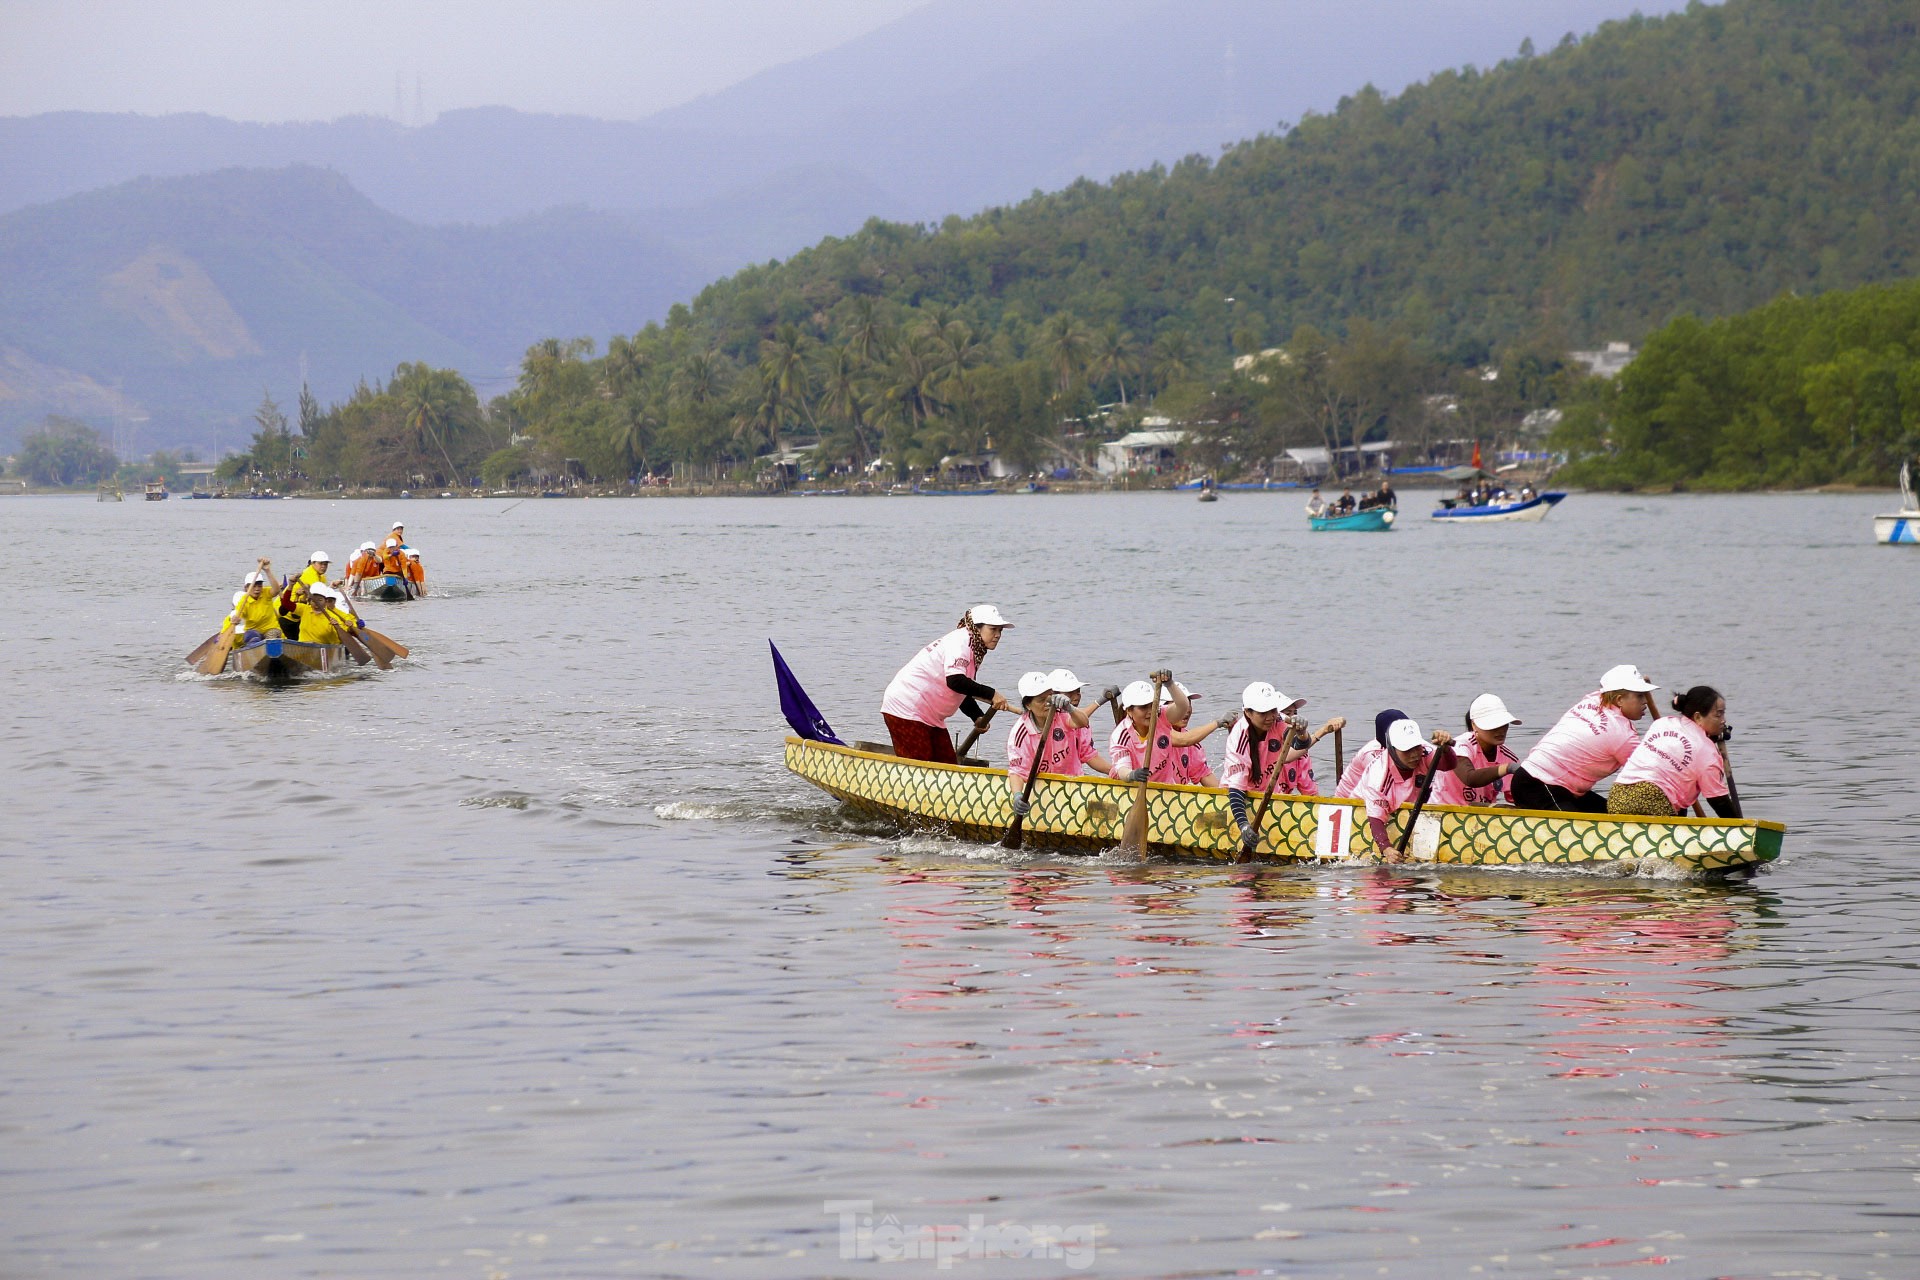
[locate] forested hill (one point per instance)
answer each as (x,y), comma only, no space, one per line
(1703,162)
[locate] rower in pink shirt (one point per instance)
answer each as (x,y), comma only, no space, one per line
(1127,744)
(1368,750)
(1257,748)
(1061,680)
(1593,739)
(1064,752)
(1393,778)
(938,681)
(1190,760)
(1484,773)
(1679,763)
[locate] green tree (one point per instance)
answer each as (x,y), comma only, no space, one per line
(65,452)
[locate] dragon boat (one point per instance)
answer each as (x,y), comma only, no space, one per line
(1084,815)
(386,587)
(277,659)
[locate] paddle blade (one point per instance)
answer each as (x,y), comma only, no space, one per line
(216,661)
(394,647)
(797,707)
(1014,838)
(204,648)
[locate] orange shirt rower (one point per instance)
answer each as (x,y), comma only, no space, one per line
(416,573)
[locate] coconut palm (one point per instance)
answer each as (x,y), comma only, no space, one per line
(867,336)
(1172,357)
(1113,358)
(1064,346)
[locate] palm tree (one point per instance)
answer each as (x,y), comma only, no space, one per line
(783,368)
(1113,358)
(1064,344)
(1172,357)
(868,337)
(842,398)
(434,404)
(621,369)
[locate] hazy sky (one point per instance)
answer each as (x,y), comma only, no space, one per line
(321,59)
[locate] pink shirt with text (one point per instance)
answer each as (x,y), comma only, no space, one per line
(1590,741)
(919,690)
(1385,788)
(1475,757)
(1125,751)
(1236,773)
(1063,755)
(1678,757)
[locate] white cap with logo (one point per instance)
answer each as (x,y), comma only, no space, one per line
(1626,678)
(1489,713)
(1137,694)
(1061,680)
(1404,735)
(985,615)
(1261,696)
(1033,683)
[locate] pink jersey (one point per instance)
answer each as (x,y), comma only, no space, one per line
(1297,779)
(1474,757)
(1357,766)
(1126,753)
(1190,765)
(1385,788)
(1678,757)
(1064,742)
(919,690)
(1236,774)
(1590,742)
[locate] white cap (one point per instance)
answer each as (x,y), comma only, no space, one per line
(368,546)
(985,615)
(319,556)
(1137,694)
(1489,713)
(399,524)
(1166,695)
(413,552)
(1034,682)
(1626,678)
(238,596)
(321,589)
(1261,696)
(255,576)
(1404,735)
(393,542)
(1061,680)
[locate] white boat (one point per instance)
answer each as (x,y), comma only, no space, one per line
(1520,509)
(1902,525)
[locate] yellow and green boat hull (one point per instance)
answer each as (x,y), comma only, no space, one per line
(1085,814)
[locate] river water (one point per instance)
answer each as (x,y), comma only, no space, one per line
(527,958)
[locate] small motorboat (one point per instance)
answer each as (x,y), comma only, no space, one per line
(1515,510)
(273,658)
(1372,520)
(1902,526)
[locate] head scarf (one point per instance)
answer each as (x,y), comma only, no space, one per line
(973,637)
(1383,721)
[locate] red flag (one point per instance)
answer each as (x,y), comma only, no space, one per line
(1476,455)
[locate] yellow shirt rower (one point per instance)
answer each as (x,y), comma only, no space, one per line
(258,607)
(316,627)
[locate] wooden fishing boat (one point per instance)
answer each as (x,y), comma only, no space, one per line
(1527,510)
(276,659)
(1902,526)
(1085,814)
(386,587)
(972,491)
(1372,520)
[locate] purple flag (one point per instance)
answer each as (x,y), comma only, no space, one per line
(797,707)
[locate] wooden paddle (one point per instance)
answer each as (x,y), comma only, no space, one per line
(1726,762)
(216,661)
(1339,756)
(1250,846)
(1133,835)
(1419,803)
(361,651)
(205,646)
(1013,838)
(394,647)
(979,727)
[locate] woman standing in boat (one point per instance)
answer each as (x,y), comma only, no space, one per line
(1593,739)
(1678,763)
(938,681)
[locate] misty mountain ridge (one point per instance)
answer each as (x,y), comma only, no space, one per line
(461,242)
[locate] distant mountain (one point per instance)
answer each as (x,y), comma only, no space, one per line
(956,106)
(179,300)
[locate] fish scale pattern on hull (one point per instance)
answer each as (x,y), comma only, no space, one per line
(1085,815)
